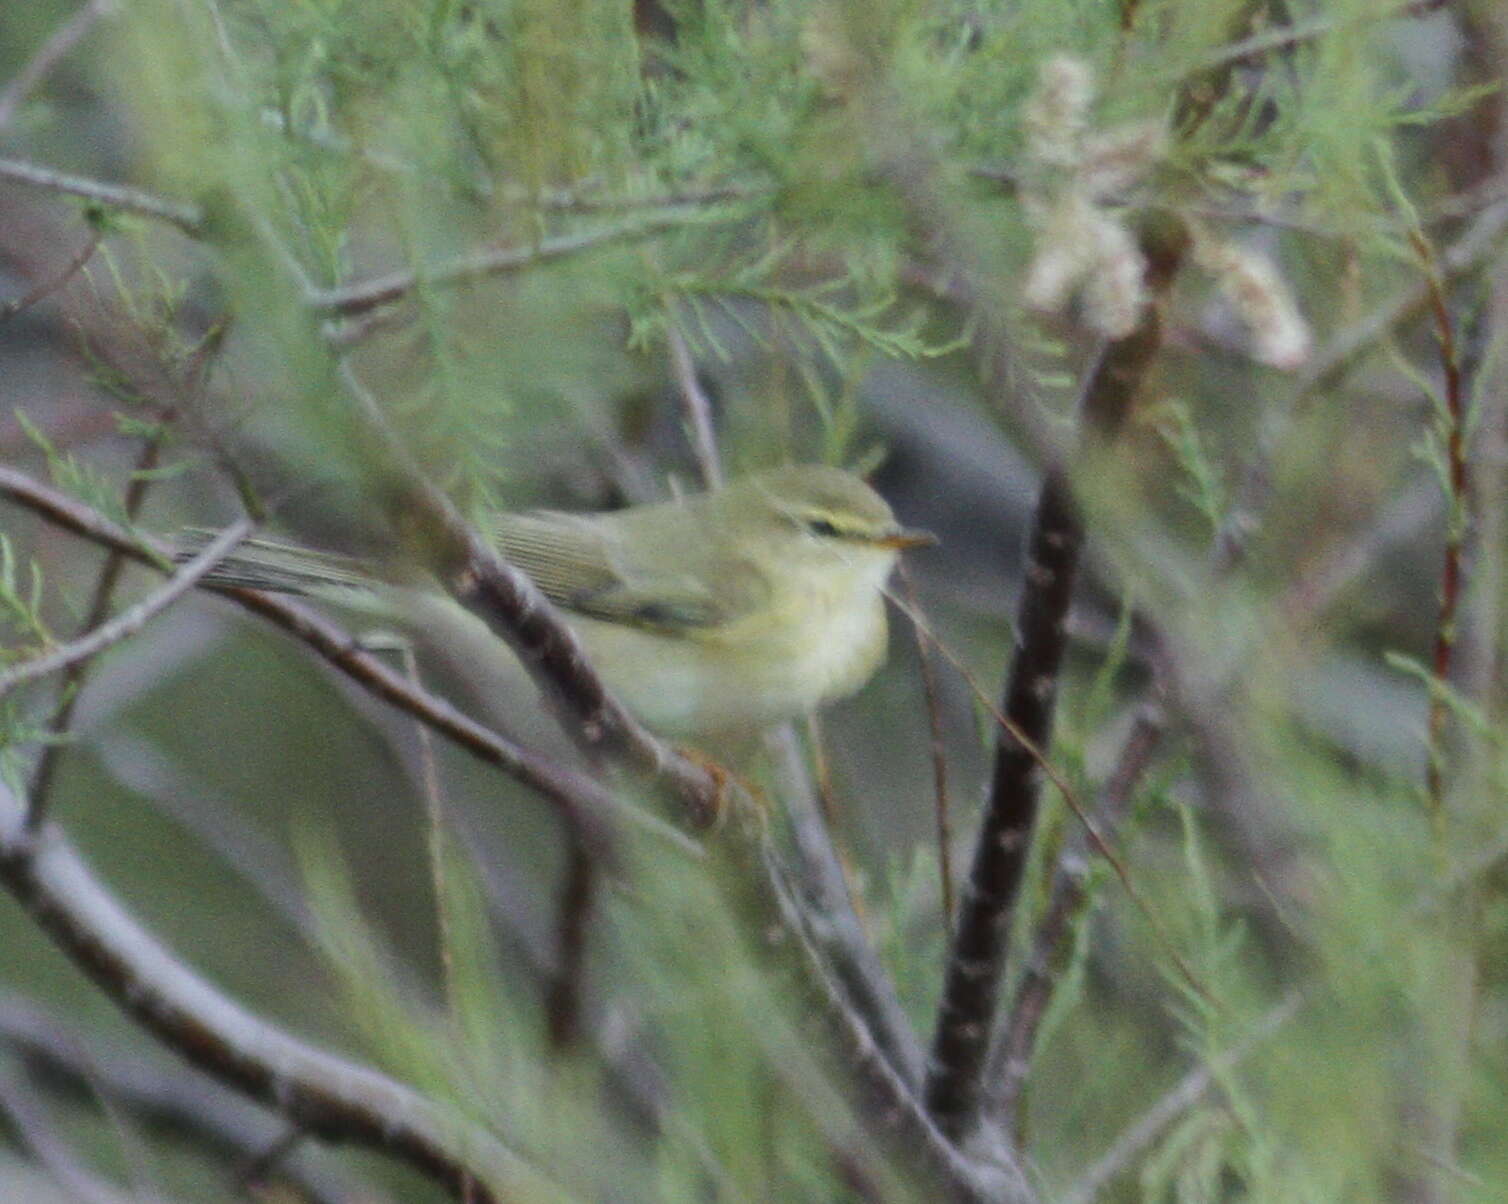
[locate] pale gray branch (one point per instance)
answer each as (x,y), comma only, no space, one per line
(324,1094)
(351,299)
(132,620)
(188,218)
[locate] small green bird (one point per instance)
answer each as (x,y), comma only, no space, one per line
(720,612)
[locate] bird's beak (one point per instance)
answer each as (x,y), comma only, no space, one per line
(907,537)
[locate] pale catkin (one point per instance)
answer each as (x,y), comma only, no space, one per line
(1082,247)
(1058,112)
(1256,290)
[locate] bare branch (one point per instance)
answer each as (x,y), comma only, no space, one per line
(1133,1140)
(188,218)
(588,802)
(325,1095)
(45,288)
(130,621)
(178,1101)
(698,408)
(976,961)
(938,750)
(353,299)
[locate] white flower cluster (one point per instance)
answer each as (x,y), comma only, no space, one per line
(1083,248)
(1077,180)
(1250,282)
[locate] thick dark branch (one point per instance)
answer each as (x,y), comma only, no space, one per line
(1011,1057)
(976,961)
(324,1095)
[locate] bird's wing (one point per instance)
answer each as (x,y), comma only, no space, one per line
(581,565)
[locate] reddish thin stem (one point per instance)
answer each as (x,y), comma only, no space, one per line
(939,754)
(1457,483)
(45,288)
(99,609)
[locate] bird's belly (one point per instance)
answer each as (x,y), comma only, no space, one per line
(738,679)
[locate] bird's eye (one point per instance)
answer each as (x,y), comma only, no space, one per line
(821,527)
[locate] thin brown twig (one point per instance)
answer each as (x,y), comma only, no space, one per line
(99,609)
(941,811)
(56,48)
(1096,838)
(1457,486)
(1474,249)
(698,407)
(353,299)
(45,288)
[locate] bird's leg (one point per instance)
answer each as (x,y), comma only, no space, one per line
(722,777)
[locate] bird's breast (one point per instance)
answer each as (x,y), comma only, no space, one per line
(806,647)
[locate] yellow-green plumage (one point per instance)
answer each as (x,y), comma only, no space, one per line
(720,611)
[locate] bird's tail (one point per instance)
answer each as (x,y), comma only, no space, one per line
(281,568)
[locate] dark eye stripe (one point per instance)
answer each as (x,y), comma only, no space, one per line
(820,526)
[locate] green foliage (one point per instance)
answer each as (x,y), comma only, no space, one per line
(21,602)
(1203,484)
(796,188)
